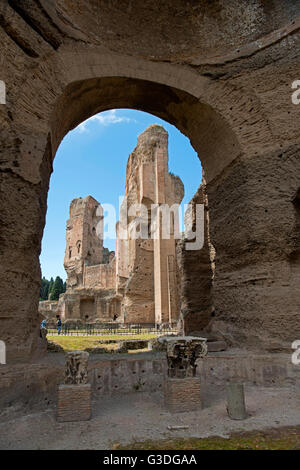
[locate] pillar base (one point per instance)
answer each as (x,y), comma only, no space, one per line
(182,395)
(74,402)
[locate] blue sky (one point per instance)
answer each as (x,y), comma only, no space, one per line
(91,160)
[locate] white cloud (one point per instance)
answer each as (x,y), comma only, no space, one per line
(104,119)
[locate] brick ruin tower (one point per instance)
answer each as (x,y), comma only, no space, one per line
(90,268)
(146,269)
(84,244)
(141,284)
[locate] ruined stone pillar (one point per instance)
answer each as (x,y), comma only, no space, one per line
(74,396)
(182,389)
(236,407)
(26,163)
(84,239)
(147,268)
(196,269)
(165,295)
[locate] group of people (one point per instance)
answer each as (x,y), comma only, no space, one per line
(44,326)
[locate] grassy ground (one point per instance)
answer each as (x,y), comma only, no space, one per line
(71,343)
(271,439)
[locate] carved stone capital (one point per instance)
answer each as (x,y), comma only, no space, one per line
(76,371)
(182,354)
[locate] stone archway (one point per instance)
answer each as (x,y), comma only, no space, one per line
(250,164)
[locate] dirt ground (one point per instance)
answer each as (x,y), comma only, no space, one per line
(124,420)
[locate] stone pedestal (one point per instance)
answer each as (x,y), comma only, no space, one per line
(182,394)
(182,387)
(74,396)
(74,402)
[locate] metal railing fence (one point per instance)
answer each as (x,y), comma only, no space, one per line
(115,329)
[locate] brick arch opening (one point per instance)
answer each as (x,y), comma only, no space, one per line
(234,69)
(209,133)
(220,129)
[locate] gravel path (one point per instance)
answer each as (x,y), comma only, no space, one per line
(139,416)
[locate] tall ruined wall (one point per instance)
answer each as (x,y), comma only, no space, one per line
(197,270)
(84,243)
(91,305)
(100,275)
(138,300)
(91,269)
(122,257)
(147,268)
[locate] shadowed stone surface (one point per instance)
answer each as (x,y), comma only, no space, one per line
(221,72)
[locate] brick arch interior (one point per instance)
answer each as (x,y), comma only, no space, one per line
(209,133)
(203,125)
(232,139)
(232,165)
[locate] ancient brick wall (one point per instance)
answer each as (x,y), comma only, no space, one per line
(84,243)
(182,395)
(222,73)
(100,276)
(74,402)
(149,265)
(196,272)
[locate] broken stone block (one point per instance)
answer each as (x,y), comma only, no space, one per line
(236,407)
(97,350)
(76,367)
(54,348)
(44,332)
(125,346)
(182,354)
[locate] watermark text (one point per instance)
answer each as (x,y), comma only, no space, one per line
(2,92)
(2,352)
(296,93)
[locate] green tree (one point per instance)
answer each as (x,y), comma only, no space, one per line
(57,289)
(51,283)
(44,290)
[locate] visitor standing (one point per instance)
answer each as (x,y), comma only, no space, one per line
(58,326)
